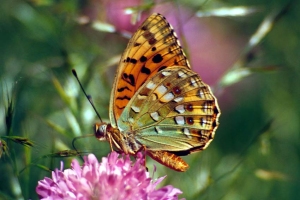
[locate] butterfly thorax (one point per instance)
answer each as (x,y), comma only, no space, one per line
(123,142)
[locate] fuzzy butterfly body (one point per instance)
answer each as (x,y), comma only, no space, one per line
(158,104)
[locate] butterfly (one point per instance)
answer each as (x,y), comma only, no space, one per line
(158,104)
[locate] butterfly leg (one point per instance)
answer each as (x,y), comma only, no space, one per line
(169,159)
(144,152)
(110,142)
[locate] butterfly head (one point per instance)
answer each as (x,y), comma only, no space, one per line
(101,131)
(105,132)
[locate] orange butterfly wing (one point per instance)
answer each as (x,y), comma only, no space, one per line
(152,48)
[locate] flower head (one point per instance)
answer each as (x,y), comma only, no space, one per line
(113,178)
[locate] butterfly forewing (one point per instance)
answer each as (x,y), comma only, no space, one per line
(152,48)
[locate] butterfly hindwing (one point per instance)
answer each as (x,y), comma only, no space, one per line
(172,111)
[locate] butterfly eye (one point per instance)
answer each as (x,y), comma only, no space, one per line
(100,131)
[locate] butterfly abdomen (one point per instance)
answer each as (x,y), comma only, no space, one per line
(168,159)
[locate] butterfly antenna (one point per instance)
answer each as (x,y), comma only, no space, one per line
(76,138)
(87,96)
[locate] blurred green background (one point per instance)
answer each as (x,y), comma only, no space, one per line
(255,154)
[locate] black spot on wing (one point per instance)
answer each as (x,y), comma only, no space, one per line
(132,80)
(189,107)
(216,111)
(152,41)
(144,28)
(175,62)
(145,70)
(162,67)
(124,97)
(133,61)
(190,120)
(176,90)
(123,88)
(157,58)
(143,59)
(129,79)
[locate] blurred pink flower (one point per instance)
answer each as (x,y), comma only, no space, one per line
(113,178)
